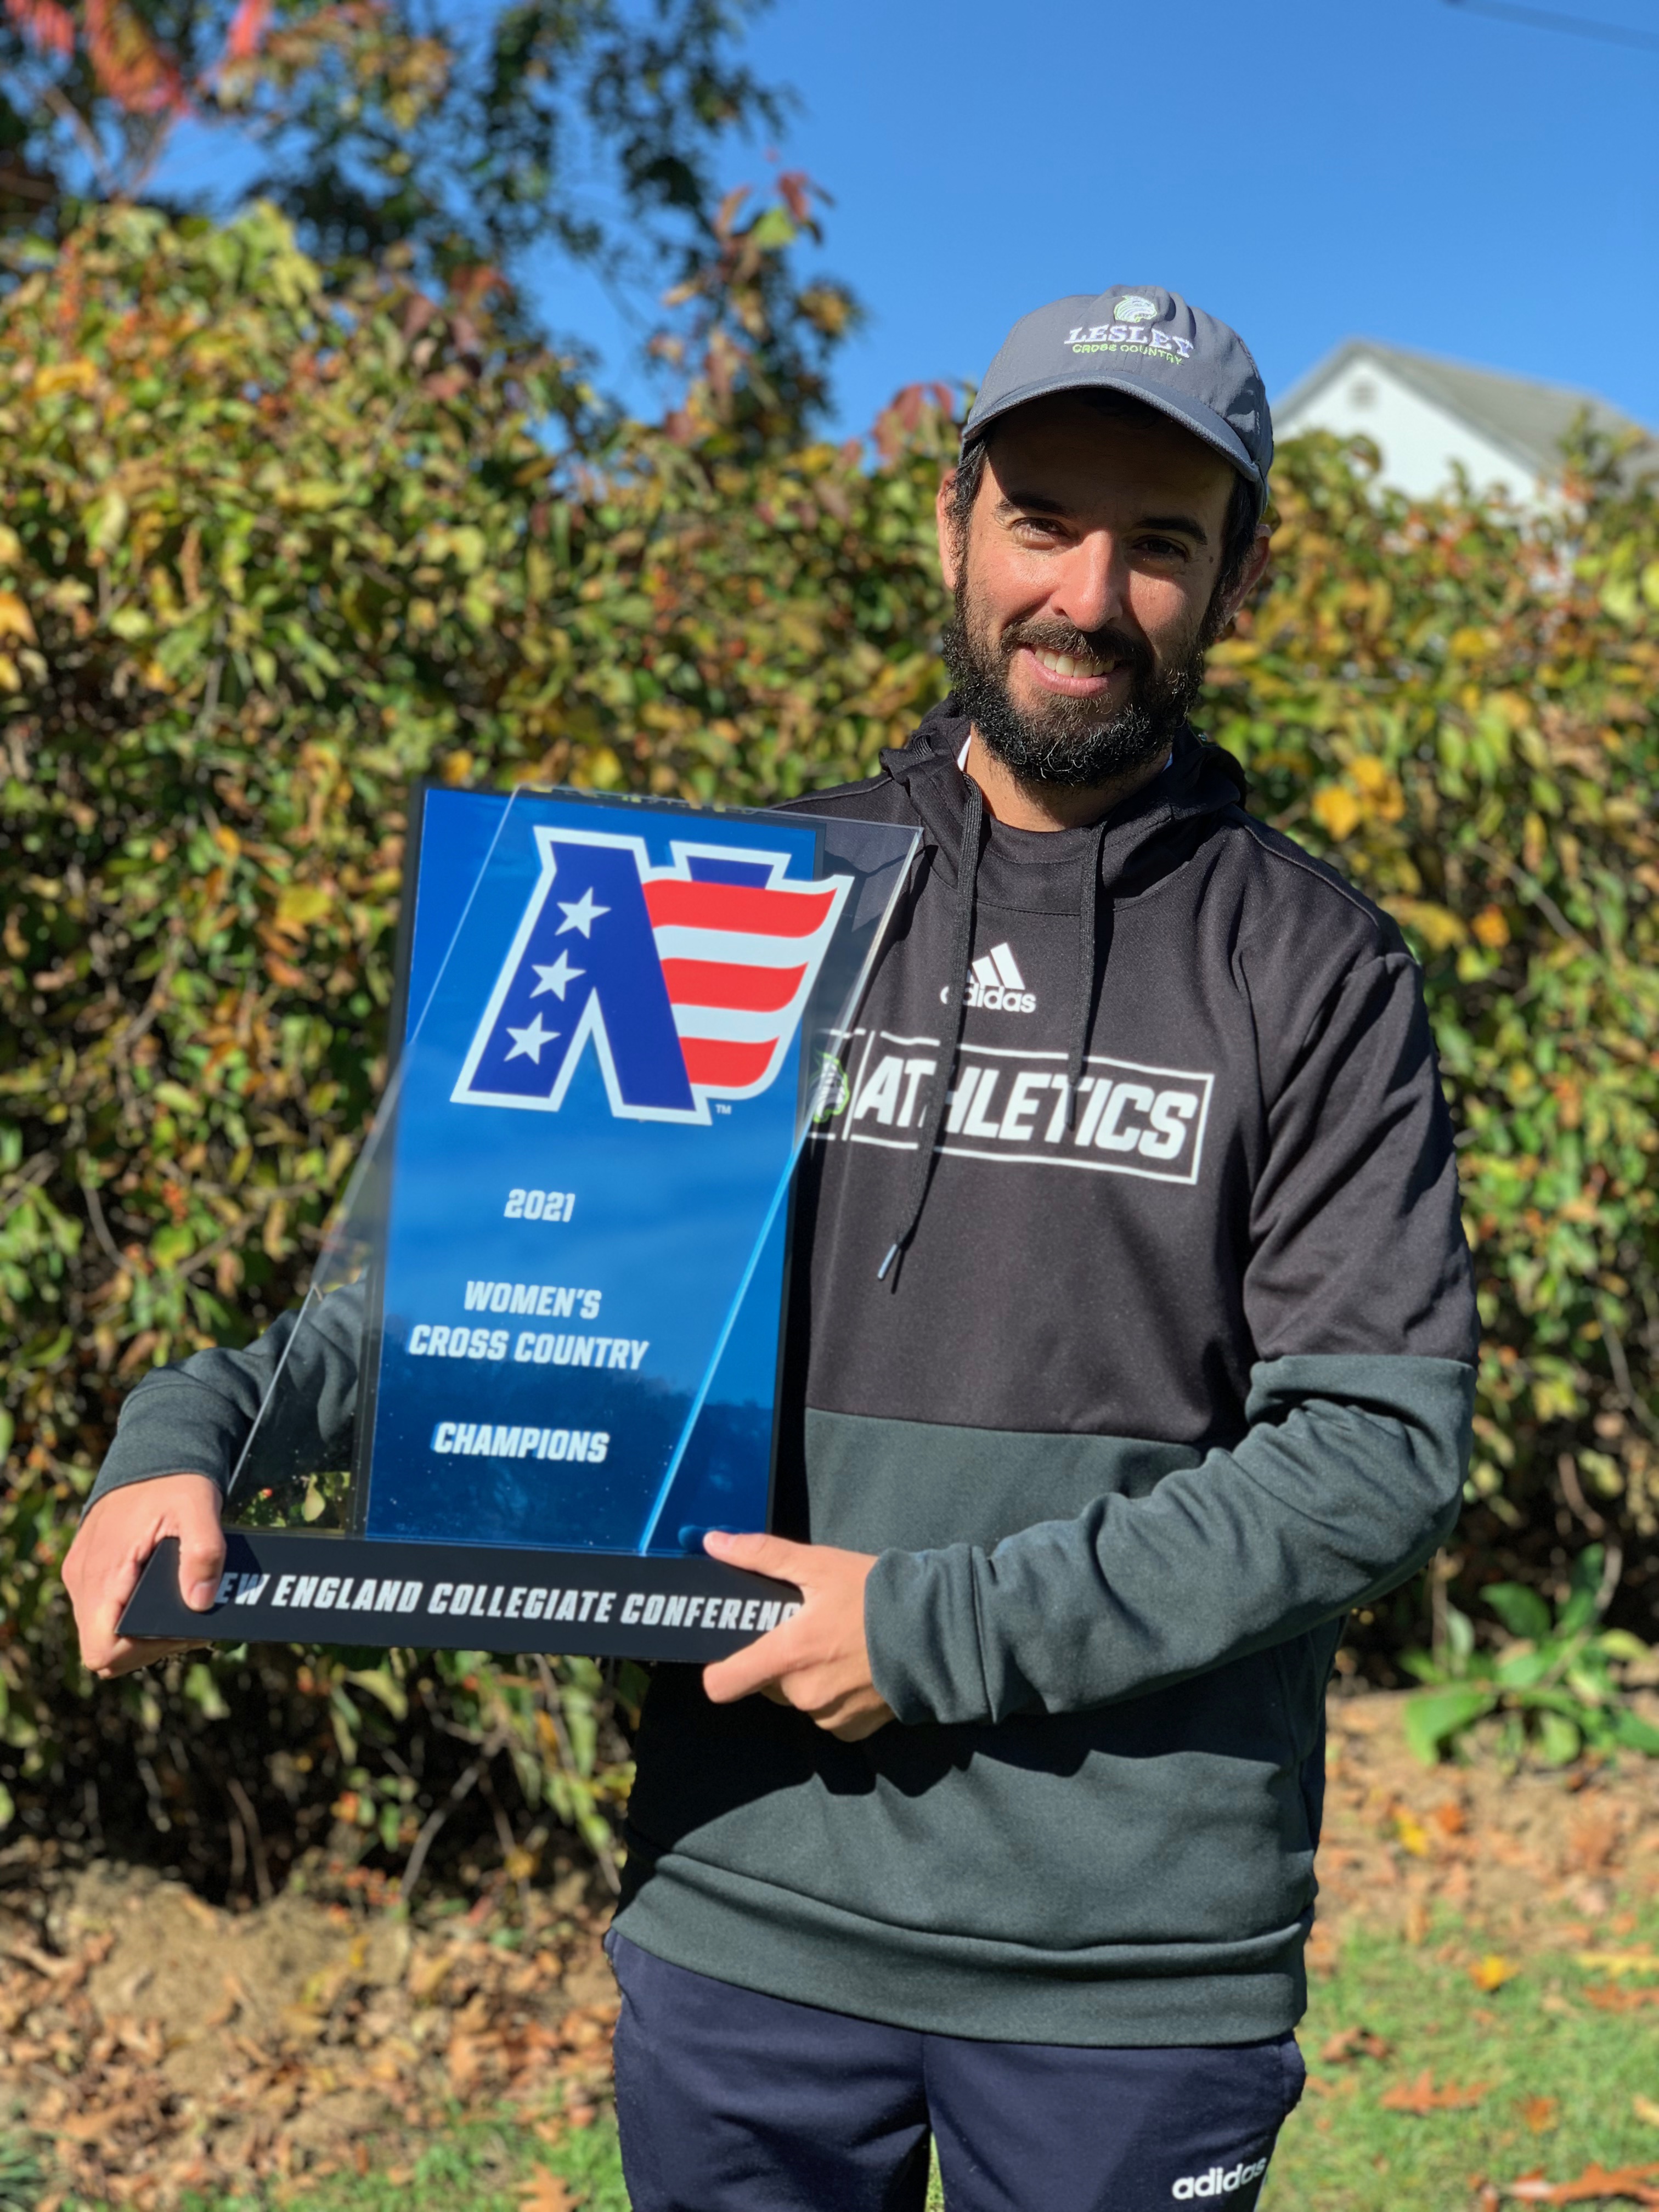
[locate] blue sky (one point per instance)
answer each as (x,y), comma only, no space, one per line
(1307,169)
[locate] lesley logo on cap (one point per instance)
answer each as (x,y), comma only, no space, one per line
(1129,333)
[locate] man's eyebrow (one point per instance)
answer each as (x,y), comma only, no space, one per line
(1040,502)
(1185,525)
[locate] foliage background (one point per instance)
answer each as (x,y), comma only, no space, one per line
(275,540)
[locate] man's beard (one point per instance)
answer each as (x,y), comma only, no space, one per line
(1066,741)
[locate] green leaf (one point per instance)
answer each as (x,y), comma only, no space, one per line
(1579,1610)
(1617,1643)
(1522,1669)
(1460,1636)
(1559,1740)
(1434,1718)
(1634,1734)
(173,1244)
(1522,1611)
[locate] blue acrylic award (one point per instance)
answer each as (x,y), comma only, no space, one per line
(558,1276)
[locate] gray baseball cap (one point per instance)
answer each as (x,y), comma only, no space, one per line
(1148,342)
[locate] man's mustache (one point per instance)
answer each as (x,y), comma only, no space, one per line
(1129,651)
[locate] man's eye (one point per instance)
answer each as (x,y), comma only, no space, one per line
(1164,549)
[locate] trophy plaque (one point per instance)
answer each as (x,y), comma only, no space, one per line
(539,1357)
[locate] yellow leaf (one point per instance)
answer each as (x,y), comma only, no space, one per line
(1412,1835)
(299,905)
(1493,1972)
(1369,773)
(11,546)
(1621,1962)
(1437,925)
(1336,811)
(16,620)
(77,376)
(1646,2109)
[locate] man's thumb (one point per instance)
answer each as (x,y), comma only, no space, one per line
(201,1553)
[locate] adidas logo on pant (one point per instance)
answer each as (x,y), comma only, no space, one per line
(1218,2182)
(996,984)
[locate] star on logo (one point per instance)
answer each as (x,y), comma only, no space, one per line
(579,914)
(527,1043)
(561,976)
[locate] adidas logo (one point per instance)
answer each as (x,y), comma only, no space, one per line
(1218,2182)
(996,984)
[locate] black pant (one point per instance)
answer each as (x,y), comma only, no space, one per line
(732,2102)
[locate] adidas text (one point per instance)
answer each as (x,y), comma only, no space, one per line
(1219,2181)
(995,983)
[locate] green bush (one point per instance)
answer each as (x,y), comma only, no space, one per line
(1458,709)
(1558,1686)
(270,546)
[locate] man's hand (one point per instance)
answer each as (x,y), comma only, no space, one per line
(819,1661)
(112,1549)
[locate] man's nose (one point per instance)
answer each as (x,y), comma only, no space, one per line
(1090,588)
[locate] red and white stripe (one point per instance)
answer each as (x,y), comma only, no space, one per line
(739,961)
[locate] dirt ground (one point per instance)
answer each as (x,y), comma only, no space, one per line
(162,2047)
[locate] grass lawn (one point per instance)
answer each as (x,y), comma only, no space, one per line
(1557,2080)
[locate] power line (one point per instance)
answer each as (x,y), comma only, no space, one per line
(1549,19)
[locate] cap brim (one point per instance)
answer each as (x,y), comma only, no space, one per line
(1203,421)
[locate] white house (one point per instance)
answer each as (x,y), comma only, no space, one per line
(1426,417)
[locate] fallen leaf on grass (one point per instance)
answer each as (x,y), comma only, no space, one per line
(1542,2113)
(1646,2109)
(1421,2097)
(1493,1972)
(1610,1998)
(1621,1962)
(1350,2043)
(545,2192)
(1632,2185)
(1414,1836)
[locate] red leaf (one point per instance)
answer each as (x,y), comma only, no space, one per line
(247,30)
(1632,2185)
(1421,2097)
(137,73)
(46,25)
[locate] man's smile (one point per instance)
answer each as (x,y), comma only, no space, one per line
(1077,675)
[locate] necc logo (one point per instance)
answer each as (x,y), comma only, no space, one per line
(689,980)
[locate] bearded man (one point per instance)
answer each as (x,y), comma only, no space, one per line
(1131,1345)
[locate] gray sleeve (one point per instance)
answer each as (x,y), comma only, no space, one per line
(1349,1477)
(195,1417)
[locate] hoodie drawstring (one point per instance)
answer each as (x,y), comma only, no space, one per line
(962,947)
(1086,970)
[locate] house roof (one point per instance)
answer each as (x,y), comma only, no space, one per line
(1529,421)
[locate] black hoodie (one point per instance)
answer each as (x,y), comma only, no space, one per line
(1155,1365)
(1176,1369)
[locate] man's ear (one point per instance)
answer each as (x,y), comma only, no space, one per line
(1252,576)
(945,520)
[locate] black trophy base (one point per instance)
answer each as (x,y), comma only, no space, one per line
(298,1586)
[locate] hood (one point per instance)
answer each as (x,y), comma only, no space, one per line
(1136,842)
(1201,780)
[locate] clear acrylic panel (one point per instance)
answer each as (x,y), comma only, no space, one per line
(549,1311)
